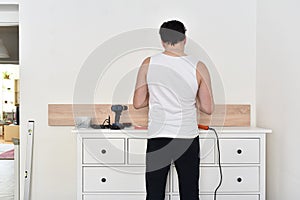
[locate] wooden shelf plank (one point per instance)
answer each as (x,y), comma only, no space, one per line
(63,114)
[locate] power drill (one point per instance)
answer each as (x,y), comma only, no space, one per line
(118,110)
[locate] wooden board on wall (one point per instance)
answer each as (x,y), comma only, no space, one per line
(64,114)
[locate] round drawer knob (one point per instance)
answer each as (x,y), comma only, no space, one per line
(239,179)
(103,151)
(103,180)
(239,151)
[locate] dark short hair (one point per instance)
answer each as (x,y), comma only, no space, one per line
(172,32)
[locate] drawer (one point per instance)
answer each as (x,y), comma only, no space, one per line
(107,151)
(225,197)
(207,151)
(117,197)
(235,179)
(114,179)
(239,150)
(137,151)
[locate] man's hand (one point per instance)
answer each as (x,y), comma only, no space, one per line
(141,95)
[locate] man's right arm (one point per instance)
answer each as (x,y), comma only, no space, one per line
(141,94)
(204,96)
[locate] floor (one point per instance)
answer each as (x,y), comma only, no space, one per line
(6,174)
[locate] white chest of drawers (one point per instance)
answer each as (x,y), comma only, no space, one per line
(111,165)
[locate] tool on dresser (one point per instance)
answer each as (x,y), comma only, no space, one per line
(200,126)
(105,125)
(116,125)
(118,111)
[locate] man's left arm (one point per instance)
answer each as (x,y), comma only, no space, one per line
(141,95)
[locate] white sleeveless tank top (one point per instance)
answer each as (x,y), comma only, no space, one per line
(173,86)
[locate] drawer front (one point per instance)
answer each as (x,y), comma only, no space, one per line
(235,179)
(118,197)
(113,179)
(207,151)
(137,150)
(239,150)
(110,151)
(225,197)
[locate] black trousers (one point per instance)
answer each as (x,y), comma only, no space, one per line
(161,152)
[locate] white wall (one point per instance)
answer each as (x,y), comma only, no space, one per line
(57,36)
(278,93)
(12,69)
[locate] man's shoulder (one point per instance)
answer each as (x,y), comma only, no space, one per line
(146,61)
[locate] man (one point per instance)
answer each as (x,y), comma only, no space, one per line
(173,84)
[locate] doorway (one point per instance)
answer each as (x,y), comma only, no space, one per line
(10,101)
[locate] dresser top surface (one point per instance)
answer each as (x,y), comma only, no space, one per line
(221,130)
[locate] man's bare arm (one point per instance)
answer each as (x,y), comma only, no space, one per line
(141,95)
(204,97)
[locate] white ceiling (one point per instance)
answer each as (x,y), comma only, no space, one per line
(9,14)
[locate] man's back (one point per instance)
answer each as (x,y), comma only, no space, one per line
(173,86)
